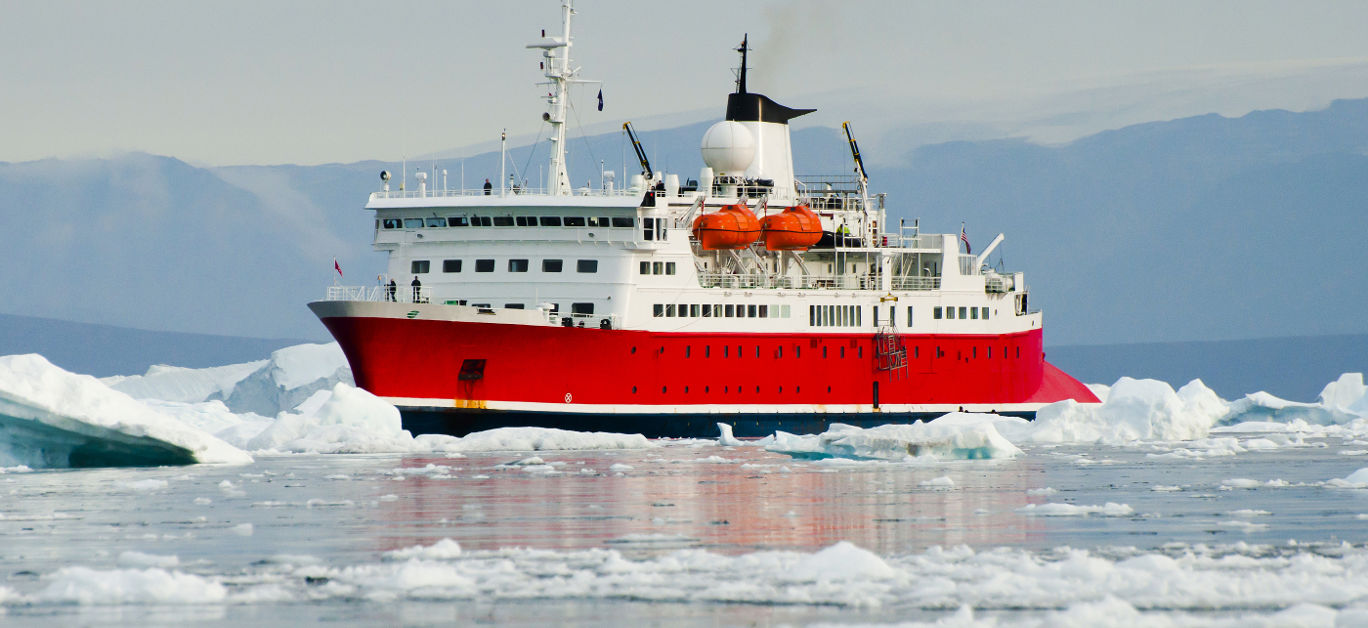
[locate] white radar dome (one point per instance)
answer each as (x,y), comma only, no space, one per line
(728,147)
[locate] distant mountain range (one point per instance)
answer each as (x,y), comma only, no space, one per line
(1198,228)
(105,350)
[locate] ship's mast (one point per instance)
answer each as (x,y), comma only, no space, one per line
(556,64)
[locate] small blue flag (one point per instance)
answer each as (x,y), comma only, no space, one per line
(600,97)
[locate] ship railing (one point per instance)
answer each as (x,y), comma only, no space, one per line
(865,281)
(928,241)
(729,280)
(520,191)
(402,294)
(916,283)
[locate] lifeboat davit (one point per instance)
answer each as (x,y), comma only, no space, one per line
(732,227)
(794,229)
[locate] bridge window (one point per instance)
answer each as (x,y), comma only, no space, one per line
(581,308)
(575,221)
(526,221)
(419,266)
(457,221)
(503,221)
(451,266)
(393,223)
(550,221)
(481,221)
(484,265)
(517,266)
(586,266)
(551,265)
(436,222)
(623,222)
(413,223)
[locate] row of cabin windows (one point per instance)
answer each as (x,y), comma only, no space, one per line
(420,266)
(834,315)
(718,310)
(970,313)
(657,268)
(437,222)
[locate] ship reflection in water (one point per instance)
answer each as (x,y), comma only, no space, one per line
(725,500)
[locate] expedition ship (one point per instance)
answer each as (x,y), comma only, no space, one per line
(748,296)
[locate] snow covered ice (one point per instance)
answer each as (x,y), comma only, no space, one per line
(1160,505)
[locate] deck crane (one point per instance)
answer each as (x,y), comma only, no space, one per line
(640,152)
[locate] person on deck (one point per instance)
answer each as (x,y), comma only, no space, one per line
(488,187)
(417,289)
(393,289)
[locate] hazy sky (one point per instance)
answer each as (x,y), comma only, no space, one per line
(255,82)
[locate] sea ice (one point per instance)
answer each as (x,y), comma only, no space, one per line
(958,435)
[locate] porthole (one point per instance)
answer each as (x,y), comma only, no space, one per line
(633,350)
(828,389)
(686,390)
(634,390)
(662,390)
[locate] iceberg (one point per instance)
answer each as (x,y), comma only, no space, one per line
(1135,409)
(263,387)
(50,418)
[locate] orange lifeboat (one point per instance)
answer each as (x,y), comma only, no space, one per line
(795,229)
(732,227)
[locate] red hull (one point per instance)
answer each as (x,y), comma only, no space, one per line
(421,359)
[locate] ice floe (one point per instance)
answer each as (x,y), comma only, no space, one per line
(958,435)
(1109,509)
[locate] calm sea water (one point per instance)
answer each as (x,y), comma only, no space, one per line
(283,534)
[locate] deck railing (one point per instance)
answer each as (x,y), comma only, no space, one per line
(815,282)
(402,294)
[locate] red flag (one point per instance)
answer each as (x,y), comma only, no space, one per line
(337,266)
